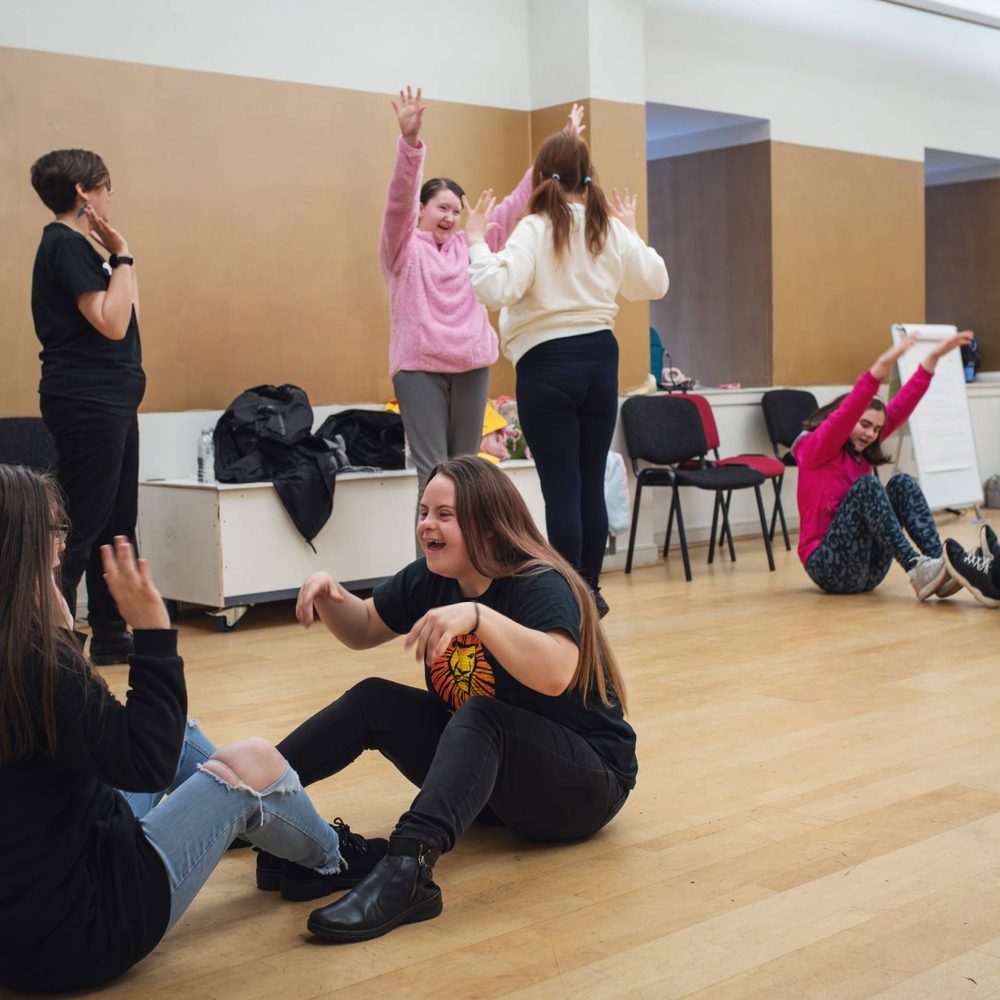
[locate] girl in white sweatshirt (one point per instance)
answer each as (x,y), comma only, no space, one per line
(556,281)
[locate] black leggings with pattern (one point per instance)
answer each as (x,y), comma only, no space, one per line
(867,534)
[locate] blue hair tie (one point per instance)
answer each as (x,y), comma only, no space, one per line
(556,177)
(586,180)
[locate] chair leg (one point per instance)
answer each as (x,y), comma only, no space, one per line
(715,524)
(635,524)
(781,515)
(722,536)
(681,536)
(763,527)
(726,529)
(670,524)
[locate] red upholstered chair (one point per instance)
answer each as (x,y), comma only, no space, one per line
(770,468)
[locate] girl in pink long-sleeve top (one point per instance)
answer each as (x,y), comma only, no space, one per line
(441,343)
(850,525)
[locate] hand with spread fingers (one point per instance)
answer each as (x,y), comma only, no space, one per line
(477,217)
(623,208)
(574,122)
(318,587)
(132,587)
(433,633)
(410,115)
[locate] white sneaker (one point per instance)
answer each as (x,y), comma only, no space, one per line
(927,575)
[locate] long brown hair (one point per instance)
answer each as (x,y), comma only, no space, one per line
(30,643)
(873,454)
(563,167)
(503,540)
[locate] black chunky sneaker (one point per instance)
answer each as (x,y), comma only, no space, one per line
(299,883)
(599,602)
(973,570)
(398,891)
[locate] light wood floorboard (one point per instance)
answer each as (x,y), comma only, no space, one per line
(817,813)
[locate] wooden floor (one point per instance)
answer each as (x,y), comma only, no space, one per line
(817,813)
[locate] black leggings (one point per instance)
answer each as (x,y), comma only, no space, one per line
(866,534)
(536,776)
(567,402)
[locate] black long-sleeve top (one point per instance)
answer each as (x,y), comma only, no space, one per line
(83,894)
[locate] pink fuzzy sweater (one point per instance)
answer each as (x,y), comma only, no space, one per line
(828,467)
(436,323)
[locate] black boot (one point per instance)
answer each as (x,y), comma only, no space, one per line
(110,644)
(398,891)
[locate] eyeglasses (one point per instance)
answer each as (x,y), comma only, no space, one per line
(61,530)
(107,184)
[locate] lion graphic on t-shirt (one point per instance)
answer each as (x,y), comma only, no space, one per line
(462,672)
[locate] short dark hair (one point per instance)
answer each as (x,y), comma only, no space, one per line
(436,184)
(55,176)
(873,454)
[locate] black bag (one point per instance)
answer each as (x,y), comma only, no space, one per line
(265,434)
(371,437)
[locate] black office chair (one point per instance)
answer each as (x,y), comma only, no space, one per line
(784,411)
(26,441)
(667,431)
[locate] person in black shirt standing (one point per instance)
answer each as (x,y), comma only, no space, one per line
(86,313)
(523,716)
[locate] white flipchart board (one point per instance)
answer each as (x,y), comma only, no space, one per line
(940,427)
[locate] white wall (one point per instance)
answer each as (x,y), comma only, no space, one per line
(857,75)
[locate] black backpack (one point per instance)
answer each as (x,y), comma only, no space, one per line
(265,434)
(371,437)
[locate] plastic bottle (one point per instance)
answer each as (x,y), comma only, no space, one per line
(206,457)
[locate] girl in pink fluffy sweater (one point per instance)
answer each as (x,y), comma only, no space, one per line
(441,343)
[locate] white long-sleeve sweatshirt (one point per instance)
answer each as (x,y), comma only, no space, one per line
(544,297)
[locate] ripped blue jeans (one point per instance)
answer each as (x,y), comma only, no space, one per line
(201,815)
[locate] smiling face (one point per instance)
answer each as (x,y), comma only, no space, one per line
(440,215)
(867,429)
(438,531)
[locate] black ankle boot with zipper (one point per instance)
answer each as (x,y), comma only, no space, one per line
(399,890)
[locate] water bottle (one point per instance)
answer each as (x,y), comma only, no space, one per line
(206,457)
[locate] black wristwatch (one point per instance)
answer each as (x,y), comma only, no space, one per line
(115,260)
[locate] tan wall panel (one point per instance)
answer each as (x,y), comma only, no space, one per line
(963,261)
(713,209)
(848,259)
(253,208)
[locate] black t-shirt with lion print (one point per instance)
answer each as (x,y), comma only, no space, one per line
(537,600)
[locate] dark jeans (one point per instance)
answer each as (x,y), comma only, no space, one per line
(536,776)
(98,456)
(567,402)
(866,534)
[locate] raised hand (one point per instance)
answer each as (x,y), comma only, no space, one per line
(477,217)
(101,232)
(319,586)
(432,633)
(623,208)
(132,587)
(961,339)
(884,362)
(574,122)
(410,115)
